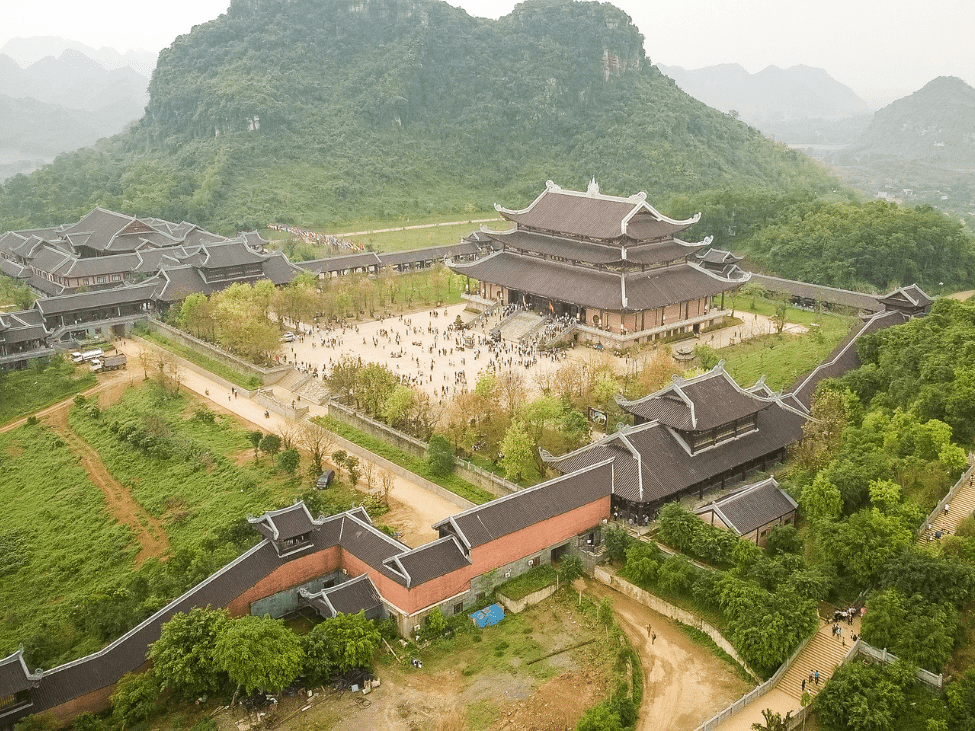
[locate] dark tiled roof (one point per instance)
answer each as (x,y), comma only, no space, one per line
(653,254)
(97,265)
(14,270)
(230,254)
(511,513)
(89,300)
(45,286)
(279,270)
(594,216)
(433,560)
(592,287)
(566,248)
(372,546)
(698,404)
(341,263)
(818,292)
(844,357)
(752,506)
(668,467)
(14,675)
(910,297)
(279,525)
(717,256)
(353,596)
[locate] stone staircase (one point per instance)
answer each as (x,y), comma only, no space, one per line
(314,391)
(823,653)
(292,381)
(519,325)
(960,507)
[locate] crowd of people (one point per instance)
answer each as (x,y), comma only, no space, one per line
(314,237)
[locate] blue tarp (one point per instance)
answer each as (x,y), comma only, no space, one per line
(488,616)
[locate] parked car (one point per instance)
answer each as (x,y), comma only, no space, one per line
(288,337)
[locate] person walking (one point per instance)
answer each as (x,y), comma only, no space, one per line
(817,677)
(803,685)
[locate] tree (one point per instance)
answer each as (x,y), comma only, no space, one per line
(570,569)
(773,721)
(519,453)
(289,460)
(960,699)
(136,697)
(821,500)
(183,655)
(146,359)
(340,644)
(862,544)
(440,455)
(259,652)
(914,629)
(784,539)
(254,438)
(862,696)
(316,441)
(352,466)
(616,540)
(599,718)
(271,444)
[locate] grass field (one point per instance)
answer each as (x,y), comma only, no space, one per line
(68,580)
(783,358)
(57,544)
(194,356)
(27,391)
(419,466)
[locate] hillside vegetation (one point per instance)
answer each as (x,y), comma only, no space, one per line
(320,111)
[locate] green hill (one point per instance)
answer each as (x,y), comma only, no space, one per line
(321,111)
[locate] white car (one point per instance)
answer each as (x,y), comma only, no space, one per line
(288,337)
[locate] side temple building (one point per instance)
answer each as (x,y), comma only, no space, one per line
(613,265)
(341,563)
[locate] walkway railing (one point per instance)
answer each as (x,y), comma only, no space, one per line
(966,476)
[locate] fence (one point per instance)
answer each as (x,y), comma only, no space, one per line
(669,610)
(935,682)
(462,468)
(265,398)
(947,498)
(266,376)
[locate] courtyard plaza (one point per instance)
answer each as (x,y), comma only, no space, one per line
(425,350)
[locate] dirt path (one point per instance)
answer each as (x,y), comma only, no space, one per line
(105,383)
(684,684)
(119,502)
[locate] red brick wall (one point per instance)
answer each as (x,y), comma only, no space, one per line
(291,574)
(93,702)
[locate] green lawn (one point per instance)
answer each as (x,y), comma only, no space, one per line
(419,466)
(57,543)
(193,356)
(783,358)
(27,391)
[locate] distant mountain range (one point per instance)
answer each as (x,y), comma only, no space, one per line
(60,104)
(771,95)
(28,51)
(920,148)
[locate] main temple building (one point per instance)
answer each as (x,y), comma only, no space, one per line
(614,266)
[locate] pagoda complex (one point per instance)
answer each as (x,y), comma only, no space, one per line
(612,265)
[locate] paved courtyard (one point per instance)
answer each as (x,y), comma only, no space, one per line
(424,351)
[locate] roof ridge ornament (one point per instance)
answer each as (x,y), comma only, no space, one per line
(593,189)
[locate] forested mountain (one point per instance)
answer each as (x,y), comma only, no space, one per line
(920,148)
(315,111)
(318,112)
(771,95)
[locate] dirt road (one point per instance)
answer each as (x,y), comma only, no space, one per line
(684,684)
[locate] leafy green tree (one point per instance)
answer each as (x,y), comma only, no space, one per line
(862,544)
(183,656)
(289,460)
(915,630)
(773,721)
(960,699)
(440,455)
(862,696)
(352,466)
(570,569)
(784,539)
(136,697)
(255,438)
(642,563)
(821,500)
(616,540)
(600,718)
(259,652)
(519,453)
(340,644)
(937,579)
(270,444)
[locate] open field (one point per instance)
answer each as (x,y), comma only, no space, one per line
(27,391)
(98,531)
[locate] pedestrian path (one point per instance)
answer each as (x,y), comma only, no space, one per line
(824,652)
(961,506)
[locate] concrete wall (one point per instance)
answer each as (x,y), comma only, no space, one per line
(517,606)
(285,602)
(266,376)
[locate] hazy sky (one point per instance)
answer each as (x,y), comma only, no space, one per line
(882,49)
